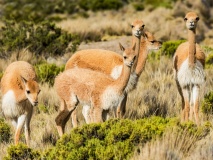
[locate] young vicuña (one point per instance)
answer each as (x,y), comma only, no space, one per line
(91,88)
(188,62)
(19,95)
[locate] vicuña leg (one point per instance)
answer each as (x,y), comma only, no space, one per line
(27,127)
(97,114)
(182,101)
(86,113)
(186,109)
(121,110)
(19,127)
(74,118)
(195,97)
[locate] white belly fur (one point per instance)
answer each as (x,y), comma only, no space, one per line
(187,76)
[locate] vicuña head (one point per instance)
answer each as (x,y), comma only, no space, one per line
(32,90)
(137,28)
(191,20)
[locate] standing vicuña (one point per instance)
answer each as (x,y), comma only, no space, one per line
(19,95)
(95,59)
(92,88)
(188,64)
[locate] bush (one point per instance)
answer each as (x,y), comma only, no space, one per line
(169,47)
(47,72)
(4,131)
(207,103)
(139,4)
(96,5)
(21,152)
(114,139)
(44,39)
(36,10)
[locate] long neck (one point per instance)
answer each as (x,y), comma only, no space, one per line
(141,58)
(121,83)
(192,47)
(136,41)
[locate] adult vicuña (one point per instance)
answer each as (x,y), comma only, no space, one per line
(189,61)
(95,59)
(92,88)
(19,95)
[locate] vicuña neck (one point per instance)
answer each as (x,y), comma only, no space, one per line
(136,41)
(121,83)
(192,47)
(141,58)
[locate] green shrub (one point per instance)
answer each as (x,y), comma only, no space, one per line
(21,152)
(47,72)
(207,103)
(4,131)
(44,39)
(95,5)
(169,47)
(209,60)
(114,139)
(139,4)
(36,10)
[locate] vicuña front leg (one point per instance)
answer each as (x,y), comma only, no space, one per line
(97,115)
(195,97)
(121,110)
(186,109)
(20,124)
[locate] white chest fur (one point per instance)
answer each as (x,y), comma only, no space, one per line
(187,76)
(9,105)
(110,98)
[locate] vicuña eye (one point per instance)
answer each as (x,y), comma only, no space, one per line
(125,57)
(185,19)
(197,19)
(132,26)
(143,26)
(28,92)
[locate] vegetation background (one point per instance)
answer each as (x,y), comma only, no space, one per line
(47,32)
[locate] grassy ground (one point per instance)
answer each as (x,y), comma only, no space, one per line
(156,93)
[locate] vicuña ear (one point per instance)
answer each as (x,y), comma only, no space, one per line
(23,80)
(121,47)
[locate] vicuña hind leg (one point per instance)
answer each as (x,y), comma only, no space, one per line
(182,101)
(61,121)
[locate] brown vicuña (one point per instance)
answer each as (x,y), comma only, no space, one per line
(92,88)
(19,95)
(189,61)
(95,59)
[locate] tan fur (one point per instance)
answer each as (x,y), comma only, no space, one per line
(189,58)
(19,77)
(92,88)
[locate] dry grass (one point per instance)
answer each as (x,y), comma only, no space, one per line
(156,93)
